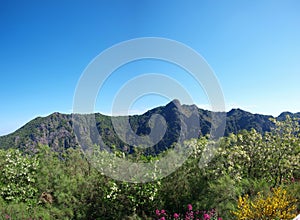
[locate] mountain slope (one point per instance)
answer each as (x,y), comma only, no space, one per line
(181,122)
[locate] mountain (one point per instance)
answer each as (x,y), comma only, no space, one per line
(177,122)
(238,119)
(283,115)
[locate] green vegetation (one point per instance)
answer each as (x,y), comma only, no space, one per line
(249,171)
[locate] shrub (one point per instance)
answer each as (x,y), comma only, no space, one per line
(18,177)
(189,214)
(278,205)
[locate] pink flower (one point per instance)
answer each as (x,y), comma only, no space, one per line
(219,218)
(190,207)
(162,218)
(162,211)
(157,212)
(176,216)
(206,216)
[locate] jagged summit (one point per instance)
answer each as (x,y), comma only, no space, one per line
(174,103)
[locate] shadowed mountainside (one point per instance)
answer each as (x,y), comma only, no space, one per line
(181,122)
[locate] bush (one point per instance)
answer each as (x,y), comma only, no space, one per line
(278,205)
(188,215)
(18,177)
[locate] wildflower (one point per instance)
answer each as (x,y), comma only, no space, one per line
(278,205)
(157,212)
(206,216)
(190,207)
(176,216)
(162,211)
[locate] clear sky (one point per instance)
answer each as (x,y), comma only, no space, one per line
(252,46)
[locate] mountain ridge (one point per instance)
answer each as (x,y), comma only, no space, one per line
(181,122)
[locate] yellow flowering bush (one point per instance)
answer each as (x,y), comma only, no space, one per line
(278,205)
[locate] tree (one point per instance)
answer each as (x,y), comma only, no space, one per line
(18,177)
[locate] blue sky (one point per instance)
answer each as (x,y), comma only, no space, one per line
(252,46)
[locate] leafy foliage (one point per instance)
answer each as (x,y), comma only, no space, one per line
(273,156)
(66,184)
(18,177)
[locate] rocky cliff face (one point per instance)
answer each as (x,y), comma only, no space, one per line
(54,130)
